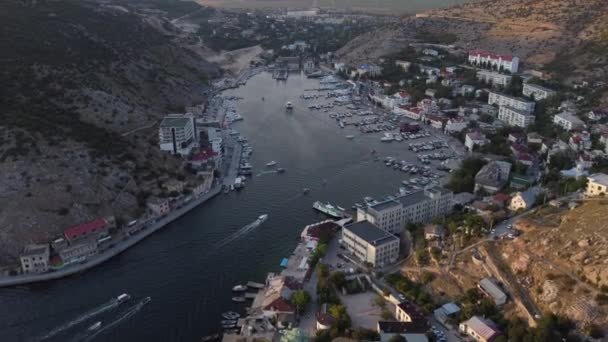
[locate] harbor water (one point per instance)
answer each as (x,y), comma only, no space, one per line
(189,268)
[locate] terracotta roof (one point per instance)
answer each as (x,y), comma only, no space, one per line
(85,228)
(280,305)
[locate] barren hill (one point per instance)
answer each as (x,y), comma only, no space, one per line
(537,30)
(76,77)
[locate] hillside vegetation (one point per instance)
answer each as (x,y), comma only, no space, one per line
(75,77)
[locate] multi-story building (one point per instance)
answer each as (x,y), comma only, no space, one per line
(370,243)
(493,176)
(177,133)
(537,92)
(418,207)
(473,139)
(455,125)
(568,121)
(515,117)
(413,113)
(480,329)
(158,206)
(494,78)
(498,61)
(35,258)
(597,184)
(408,312)
(78,252)
(405,65)
(90,230)
(372,70)
(513,102)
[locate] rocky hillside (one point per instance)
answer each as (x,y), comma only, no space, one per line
(565,32)
(76,78)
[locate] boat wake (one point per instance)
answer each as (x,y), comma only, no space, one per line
(241,232)
(82,318)
(89,335)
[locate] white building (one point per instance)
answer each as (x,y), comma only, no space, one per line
(487,286)
(369,69)
(35,258)
(494,78)
(413,113)
(537,92)
(482,330)
(500,62)
(430,52)
(418,207)
(176,133)
(473,139)
(568,121)
(513,102)
(405,65)
(370,243)
(455,125)
(597,184)
(515,117)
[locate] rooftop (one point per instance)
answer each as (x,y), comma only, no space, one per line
(570,117)
(370,233)
(416,327)
(483,328)
(35,249)
(85,228)
(600,178)
(174,122)
(412,310)
(492,289)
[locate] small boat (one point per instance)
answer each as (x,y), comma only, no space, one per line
(239,288)
(229,326)
(231,315)
(95,326)
(123,297)
(238,299)
(289,105)
(271,163)
(350,137)
(280,170)
(305,190)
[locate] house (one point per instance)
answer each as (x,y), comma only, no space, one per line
(500,199)
(567,121)
(522,200)
(455,125)
(494,78)
(480,329)
(430,92)
(90,230)
(418,207)
(435,121)
(499,99)
(158,206)
(413,113)
(370,244)
(173,185)
(430,52)
(177,133)
(493,176)
(597,185)
(534,138)
(429,70)
(473,139)
(411,331)
(408,312)
(446,311)
(405,65)
(596,115)
(434,232)
(490,289)
(580,141)
(499,62)
(78,252)
(35,258)
(516,137)
(537,92)
(464,90)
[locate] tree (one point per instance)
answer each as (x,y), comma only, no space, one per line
(426,277)
(338,279)
(300,299)
(397,338)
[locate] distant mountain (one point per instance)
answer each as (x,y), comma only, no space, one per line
(76,76)
(570,34)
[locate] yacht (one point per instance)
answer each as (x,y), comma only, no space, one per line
(289,105)
(350,137)
(95,326)
(239,288)
(272,163)
(123,297)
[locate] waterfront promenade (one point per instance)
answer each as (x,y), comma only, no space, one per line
(152,226)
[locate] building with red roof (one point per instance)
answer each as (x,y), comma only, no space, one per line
(95,228)
(498,61)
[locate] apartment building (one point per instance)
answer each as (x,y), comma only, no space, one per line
(537,92)
(494,78)
(418,207)
(370,243)
(499,62)
(35,258)
(515,117)
(597,184)
(568,121)
(177,133)
(513,102)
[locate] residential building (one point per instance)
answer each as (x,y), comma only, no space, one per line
(597,185)
(78,252)
(494,78)
(408,312)
(430,92)
(173,185)
(429,70)
(405,65)
(158,206)
(177,133)
(434,121)
(35,258)
(372,70)
(473,139)
(537,92)
(455,125)
(487,286)
(411,331)
(480,329)
(493,176)
(434,232)
(535,138)
(289,63)
(522,201)
(90,230)
(492,60)
(413,113)
(513,102)
(515,117)
(428,106)
(580,141)
(568,121)
(464,90)
(370,244)
(418,207)
(446,311)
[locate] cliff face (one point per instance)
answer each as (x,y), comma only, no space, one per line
(76,78)
(568,33)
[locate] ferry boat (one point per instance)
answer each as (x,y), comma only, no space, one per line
(328,209)
(272,163)
(95,326)
(289,105)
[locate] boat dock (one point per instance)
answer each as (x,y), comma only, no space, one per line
(255,285)
(250,295)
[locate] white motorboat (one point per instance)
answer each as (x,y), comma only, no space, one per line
(239,288)
(95,326)
(350,137)
(123,297)
(289,105)
(272,163)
